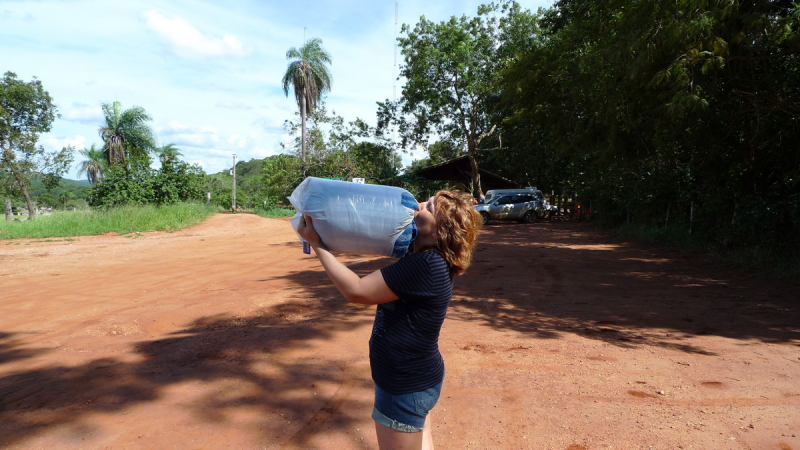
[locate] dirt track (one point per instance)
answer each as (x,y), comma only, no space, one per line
(226,336)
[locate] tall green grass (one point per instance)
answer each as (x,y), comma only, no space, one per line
(123,220)
(275,212)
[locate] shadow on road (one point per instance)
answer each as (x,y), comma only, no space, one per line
(249,352)
(545,280)
(549,279)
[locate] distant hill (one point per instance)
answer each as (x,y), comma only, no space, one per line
(75,183)
(65,183)
(245,169)
(77,188)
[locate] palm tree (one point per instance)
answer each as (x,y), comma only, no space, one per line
(64,196)
(167,152)
(95,164)
(126,135)
(308,75)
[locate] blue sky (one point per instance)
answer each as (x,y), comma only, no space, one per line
(207,72)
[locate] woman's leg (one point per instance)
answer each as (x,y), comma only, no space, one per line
(427,437)
(390,439)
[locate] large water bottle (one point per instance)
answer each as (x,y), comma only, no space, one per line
(357,218)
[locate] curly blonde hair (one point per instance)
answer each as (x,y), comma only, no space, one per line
(457,226)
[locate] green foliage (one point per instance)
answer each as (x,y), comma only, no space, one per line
(444,150)
(309,76)
(307,73)
(175,182)
(665,113)
(281,174)
(335,150)
(220,187)
(26,111)
(250,189)
(124,187)
(95,164)
(123,220)
(47,200)
(168,152)
(375,162)
(451,70)
(275,212)
(126,135)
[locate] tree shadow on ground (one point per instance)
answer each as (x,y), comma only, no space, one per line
(13,349)
(541,280)
(548,279)
(250,351)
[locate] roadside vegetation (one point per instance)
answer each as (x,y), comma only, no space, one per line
(275,212)
(122,220)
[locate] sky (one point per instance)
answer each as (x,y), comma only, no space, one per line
(208,73)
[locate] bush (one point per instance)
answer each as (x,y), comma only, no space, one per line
(175,182)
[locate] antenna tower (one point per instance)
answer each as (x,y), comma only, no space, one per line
(396,75)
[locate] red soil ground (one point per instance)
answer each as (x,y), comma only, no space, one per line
(225,335)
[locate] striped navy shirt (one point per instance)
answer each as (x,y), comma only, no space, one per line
(404,347)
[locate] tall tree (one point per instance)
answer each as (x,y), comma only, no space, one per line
(669,111)
(340,149)
(451,69)
(126,134)
(26,111)
(308,75)
(375,162)
(94,165)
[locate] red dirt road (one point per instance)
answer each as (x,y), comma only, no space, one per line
(225,335)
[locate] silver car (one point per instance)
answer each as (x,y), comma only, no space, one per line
(523,207)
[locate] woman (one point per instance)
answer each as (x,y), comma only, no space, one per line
(412,297)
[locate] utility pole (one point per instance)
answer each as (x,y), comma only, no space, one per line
(396,72)
(233,172)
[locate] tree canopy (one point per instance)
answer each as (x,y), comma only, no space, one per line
(26,111)
(451,69)
(126,134)
(667,112)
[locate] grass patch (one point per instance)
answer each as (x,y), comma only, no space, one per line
(128,219)
(275,212)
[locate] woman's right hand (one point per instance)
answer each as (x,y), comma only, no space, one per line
(306,231)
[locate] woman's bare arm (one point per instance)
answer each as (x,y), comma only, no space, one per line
(369,290)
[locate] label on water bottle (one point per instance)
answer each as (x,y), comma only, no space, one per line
(306,247)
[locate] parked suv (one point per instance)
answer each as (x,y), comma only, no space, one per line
(525,205)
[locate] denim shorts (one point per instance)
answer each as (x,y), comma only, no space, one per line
(405,412)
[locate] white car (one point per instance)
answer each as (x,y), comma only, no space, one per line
(525,207)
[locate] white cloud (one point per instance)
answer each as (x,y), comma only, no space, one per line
(237,141)
(181,135)
(188,41)
(233,105)
(55,143)
(84,114)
